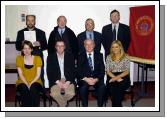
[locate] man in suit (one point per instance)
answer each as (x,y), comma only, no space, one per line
(91,73)
(62,31)
(61,74)
(89,33)
(39,45)
(115,31)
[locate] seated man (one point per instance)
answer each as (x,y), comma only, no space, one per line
(61,74)
(91,73)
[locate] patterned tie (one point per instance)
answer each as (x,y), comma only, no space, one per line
(90,62)
(114,33)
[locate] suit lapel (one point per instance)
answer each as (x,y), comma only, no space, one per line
(65,63)
(95,61)
(57,63)
(95,37)
(86,61)
(119,32)
(84,36)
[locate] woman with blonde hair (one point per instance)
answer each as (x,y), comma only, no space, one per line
(117,68)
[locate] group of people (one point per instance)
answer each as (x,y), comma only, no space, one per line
(70,58)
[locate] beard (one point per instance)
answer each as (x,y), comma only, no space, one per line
(30,26)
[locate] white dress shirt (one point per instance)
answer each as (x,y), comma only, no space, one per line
(61,65)
(116,28)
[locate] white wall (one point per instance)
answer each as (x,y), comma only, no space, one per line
(13,21)
(47,16)
(76,16)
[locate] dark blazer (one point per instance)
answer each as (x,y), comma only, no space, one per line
(97,38)
(53,69)
(84,69)
(40,36)
(123,36)
(68,36)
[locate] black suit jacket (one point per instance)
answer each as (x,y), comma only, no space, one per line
(97,38)
(123,36)
(40,36)
(69,38)
(84,69)
(53,69)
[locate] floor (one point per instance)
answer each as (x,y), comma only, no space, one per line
(146,101)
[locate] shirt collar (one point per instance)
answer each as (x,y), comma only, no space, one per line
(92,54)
(89,32)
(59,29)
(117,25)
(60,56)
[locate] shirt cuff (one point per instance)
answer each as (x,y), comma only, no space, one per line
(57,81)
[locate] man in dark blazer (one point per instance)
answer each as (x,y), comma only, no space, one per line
(39,45)
(62,31)
(91,73)
(89,33)
(61,74)
(115,31)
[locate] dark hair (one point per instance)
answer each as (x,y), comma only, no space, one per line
(114,11)
(60,40)
(31,16)
(25,42)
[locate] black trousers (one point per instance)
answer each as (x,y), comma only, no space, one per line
(30,97)
(100,90)
(116,90)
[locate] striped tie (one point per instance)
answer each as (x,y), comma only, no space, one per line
(90,62)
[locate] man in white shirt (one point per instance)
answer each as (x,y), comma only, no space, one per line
(61,74)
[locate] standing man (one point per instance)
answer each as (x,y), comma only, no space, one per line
(39,45)
(115,31)
(61,31)
(61,74)
(91,73)
(89,33)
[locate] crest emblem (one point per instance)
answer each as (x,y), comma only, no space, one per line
(144,25)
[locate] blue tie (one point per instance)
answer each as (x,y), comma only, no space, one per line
(90,62)
(114,33)
(90,36)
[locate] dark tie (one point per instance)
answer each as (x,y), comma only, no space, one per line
(90,36)
(114,33)
(90,62)
(61,33)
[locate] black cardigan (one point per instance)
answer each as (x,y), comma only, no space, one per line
(53,69)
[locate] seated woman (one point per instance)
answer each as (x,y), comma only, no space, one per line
(117,68)
(29,83)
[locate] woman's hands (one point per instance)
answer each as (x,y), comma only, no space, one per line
(116,78)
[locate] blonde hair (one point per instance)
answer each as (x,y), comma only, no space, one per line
(122,52)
